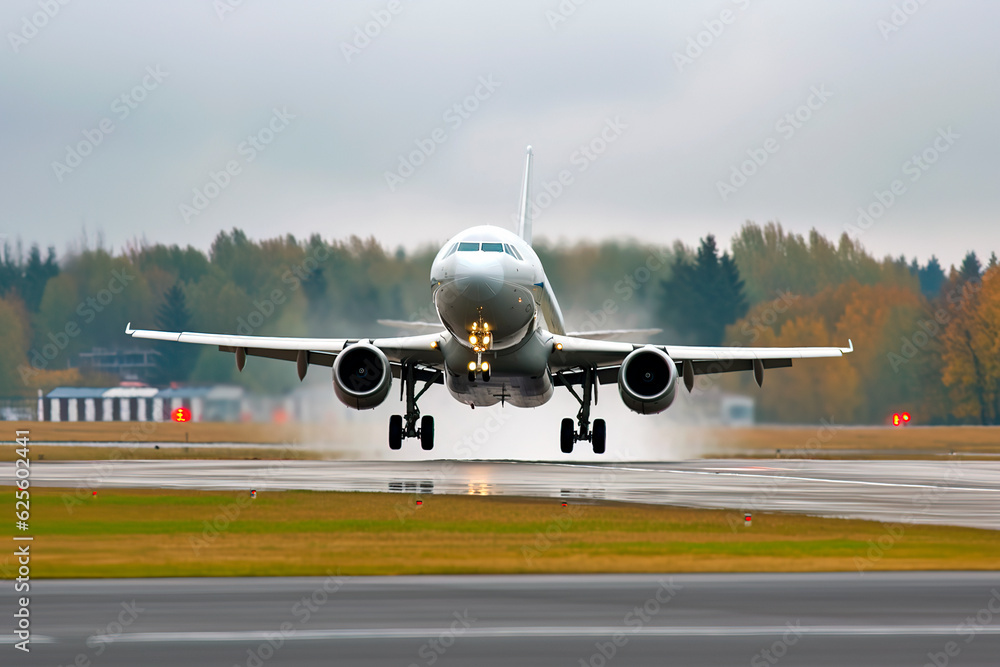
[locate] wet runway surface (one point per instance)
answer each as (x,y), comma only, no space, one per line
(884,619)
(963,493)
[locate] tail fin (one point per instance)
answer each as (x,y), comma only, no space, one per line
(524,214)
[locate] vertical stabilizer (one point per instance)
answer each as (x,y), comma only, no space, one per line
(524,214)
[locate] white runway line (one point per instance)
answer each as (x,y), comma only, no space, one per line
(509,632)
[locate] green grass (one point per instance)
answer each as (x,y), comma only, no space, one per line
(162,533)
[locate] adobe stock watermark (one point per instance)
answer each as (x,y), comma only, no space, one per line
(632,623)
(705,39)
(247,151)
(432,650)
(779,649)
(104,637)
(914,168)
(562,12)
(138,432)
(768,490)
(764,320)
(929,329)
(899,16)
(582,158)
(453,117)
(629,285)
(301,611)
(366,33)
(224,8)
(894,531)
(32,24)
(471,443)
(969,629)
(264,308)
(786,126)
(87,310)
(122,107)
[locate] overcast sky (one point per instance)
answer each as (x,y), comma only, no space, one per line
(667,119)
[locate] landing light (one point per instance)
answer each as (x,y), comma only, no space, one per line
(486,339)
(473,339)
(486,367)
(558,346)
(472,365)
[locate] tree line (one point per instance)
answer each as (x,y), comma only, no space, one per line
(927,339)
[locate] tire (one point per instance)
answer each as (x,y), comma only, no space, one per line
(427,432)
(395,432)
(486,376)
(600,436)
(566,436)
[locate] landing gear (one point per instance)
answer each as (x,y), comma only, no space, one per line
(598,435)
(566,436)
(395,432)
(398,428)
(427,432)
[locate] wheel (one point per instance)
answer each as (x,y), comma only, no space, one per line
(566,436)
(486,376)
(427,432)
(472,376)
(395,432)
(599,435)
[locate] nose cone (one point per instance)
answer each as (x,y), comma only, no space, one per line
(479,275)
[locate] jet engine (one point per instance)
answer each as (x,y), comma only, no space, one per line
(361,376)
(647,380)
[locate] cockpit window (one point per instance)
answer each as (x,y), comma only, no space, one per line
(513,251)
(451,250)
(467,247)
(492,247)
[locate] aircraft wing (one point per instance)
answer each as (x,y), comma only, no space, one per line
(419,350)
(573,354)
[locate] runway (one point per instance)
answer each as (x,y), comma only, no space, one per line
(884,619)
(962,493)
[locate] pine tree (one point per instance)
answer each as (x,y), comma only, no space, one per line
(931,278)
(971,269)
(176,361)
(704,296)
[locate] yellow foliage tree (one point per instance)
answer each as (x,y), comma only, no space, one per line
(971,351)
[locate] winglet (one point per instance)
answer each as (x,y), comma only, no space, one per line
(850,347)
(129,329)
(524,213)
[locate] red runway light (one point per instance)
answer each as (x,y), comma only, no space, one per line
(181,415)
(895,419)
(906,416)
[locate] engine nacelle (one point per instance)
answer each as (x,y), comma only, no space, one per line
(647,380)
(361,376)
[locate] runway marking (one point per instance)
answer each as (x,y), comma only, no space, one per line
(35,639)
(492,632)
(789,477)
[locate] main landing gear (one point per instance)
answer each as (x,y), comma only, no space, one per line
(405,426)
(596,435)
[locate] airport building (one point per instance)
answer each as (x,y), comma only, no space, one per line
(222,403)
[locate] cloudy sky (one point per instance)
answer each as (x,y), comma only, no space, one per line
(173,120)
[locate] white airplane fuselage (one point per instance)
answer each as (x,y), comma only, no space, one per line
(487,286)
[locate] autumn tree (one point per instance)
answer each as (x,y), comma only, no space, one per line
(971,353)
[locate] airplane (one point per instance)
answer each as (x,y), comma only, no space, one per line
(489,289)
